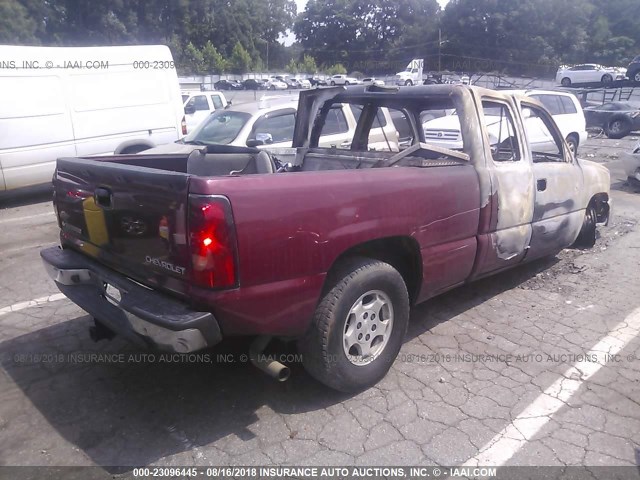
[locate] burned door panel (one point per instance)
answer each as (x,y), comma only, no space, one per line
(558,209)
(503,241)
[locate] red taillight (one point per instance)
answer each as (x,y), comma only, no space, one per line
(184,125)
(212,241)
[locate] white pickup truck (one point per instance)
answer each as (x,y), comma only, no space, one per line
(199,105)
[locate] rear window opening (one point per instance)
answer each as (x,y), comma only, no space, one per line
(386,126)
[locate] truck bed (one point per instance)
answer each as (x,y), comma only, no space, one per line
(289,226)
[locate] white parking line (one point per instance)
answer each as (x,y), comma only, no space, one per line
(525,426)
(29,217)
(16,307)
(28,247)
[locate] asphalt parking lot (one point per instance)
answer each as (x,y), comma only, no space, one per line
(510,370)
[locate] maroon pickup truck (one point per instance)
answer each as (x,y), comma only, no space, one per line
(325,246)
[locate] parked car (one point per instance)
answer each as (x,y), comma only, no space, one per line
(292,83)
(617,119)
(199,104)
(254,84)
(633,70)
(330,251)
(631,162)
(228,85)
(344,80)
(317,82)
(59,112)
(269,124)
(276,84)
(563,106)
(296,84)
(589,73)
(373,81)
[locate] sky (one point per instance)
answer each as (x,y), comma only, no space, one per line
(290,38)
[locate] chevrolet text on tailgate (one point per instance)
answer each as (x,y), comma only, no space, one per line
(325,246)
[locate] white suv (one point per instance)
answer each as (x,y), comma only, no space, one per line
(567,112)
(563,106)
(344,80)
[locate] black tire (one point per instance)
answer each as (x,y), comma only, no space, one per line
(408,83)
(565,82)
(618,127)
(333,84)
(606,79)
(573,143)
(135,149)
(322,347)
(587,236)
(635,77)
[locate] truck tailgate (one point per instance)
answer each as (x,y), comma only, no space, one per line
(132,219)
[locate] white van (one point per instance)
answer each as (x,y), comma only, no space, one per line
(58,102)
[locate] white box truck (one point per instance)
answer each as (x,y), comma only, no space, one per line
(69,102)
(412,75)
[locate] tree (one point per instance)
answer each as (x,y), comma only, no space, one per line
(292,67)
(523,36)
(240,59)
(193,60)
(213,62)
(337,69)
(368,34)
(308,64)
(16,26)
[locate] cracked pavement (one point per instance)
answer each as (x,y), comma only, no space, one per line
(473,361)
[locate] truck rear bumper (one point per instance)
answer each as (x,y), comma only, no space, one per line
(141,315)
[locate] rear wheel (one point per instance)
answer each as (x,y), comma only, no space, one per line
(618,127)
(358,327)
(566,81)
(587,236)
(606,79)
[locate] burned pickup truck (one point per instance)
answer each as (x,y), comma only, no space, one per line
(327,247)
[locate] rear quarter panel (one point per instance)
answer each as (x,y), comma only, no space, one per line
(292,227)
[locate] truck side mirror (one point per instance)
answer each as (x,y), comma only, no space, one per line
(261,139)
(189,109)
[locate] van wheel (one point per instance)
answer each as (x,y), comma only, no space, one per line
(358,326)
(565,82)
(135,149)
(587,236)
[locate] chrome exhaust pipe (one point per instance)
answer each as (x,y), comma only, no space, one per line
(271,367)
